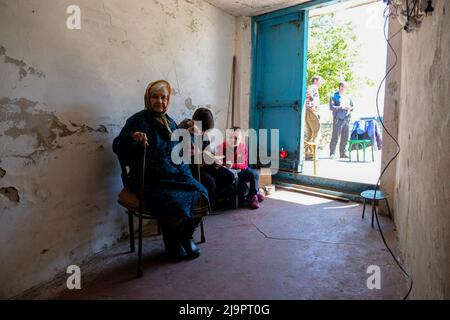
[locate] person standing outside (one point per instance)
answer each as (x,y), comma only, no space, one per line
(342,106)
(312,117)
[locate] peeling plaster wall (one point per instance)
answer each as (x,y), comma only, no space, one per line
(422,195)
(65,94)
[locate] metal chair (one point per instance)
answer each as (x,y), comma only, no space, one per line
(369,195)
(134,203)
(311,150)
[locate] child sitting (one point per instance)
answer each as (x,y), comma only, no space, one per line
(236,157)
(214,177)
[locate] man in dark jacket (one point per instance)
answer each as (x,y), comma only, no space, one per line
(342,106)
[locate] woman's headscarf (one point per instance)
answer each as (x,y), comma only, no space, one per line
(153,87)
(156,86)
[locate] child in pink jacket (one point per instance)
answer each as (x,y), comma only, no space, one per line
(236,157)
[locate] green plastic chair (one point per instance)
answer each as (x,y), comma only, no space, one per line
(360,144)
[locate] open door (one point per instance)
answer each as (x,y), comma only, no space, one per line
(279,82)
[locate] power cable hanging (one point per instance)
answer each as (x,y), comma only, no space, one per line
(377,186)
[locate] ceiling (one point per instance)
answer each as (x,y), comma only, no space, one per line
(252,7)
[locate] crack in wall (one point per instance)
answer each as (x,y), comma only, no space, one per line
(127,43)
(11,193)
(25,120)
(190,106)
(194,26)
(82,128)
(24,68)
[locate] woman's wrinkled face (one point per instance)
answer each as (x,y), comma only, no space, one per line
(234,138)
(159,100)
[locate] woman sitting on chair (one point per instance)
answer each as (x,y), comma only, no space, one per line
(170,191)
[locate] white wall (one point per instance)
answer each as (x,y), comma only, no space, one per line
(65,94)
(391,109)
(421,179)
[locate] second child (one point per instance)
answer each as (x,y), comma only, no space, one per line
(236,157)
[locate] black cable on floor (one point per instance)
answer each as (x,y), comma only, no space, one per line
(302,239)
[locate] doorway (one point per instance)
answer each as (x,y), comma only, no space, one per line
(283,45)
(349,38)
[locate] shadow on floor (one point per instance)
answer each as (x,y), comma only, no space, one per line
(295,246)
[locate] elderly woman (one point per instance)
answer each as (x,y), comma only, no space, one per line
(170,191)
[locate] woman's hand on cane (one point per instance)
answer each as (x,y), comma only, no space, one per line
(140,137)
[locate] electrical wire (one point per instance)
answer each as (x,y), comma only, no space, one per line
(377,186)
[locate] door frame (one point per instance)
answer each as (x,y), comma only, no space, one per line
(298,178)
(305,7)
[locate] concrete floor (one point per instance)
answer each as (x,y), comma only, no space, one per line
(342,169)
(295,246)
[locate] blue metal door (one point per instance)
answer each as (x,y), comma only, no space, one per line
(280,72)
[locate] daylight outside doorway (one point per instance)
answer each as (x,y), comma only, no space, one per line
(346,44)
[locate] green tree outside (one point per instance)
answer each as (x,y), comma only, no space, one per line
(332,53)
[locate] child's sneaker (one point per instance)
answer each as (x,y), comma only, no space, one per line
(260,196)
(254,204)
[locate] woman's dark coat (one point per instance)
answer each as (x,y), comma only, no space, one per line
(170,190)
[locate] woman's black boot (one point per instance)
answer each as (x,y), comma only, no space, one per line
(191,248)
(188,243)
(172,243)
